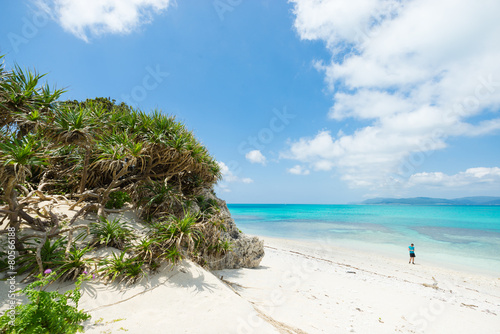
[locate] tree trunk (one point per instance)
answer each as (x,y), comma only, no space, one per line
(83,181)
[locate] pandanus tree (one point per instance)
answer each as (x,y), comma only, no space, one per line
(23,105)
(74,127)
(22,97)
(17,159)
(99,147)
(119,154)
(88,151)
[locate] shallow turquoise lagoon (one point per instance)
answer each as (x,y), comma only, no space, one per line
(467,236)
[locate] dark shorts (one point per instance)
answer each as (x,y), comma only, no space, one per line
(412,254)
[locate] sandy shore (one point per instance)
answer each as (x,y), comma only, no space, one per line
(300,287)
(318,288)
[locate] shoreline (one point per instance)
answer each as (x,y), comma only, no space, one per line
(432,252)
(399,254)
(363,252)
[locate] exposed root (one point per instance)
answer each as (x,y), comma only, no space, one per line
(82,211)
(83,197)
(39,252)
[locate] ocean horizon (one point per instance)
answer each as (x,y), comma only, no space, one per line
(459,236)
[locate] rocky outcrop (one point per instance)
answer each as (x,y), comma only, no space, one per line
(247,252)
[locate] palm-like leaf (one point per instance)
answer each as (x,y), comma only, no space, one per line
(147,249)
(19,93)
(72,126)
(117,151)
(112,233)
(158,198)
(51,255)
(18,155)
(186,231)
(129,268)
(74,263)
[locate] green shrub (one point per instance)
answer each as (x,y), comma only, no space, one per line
(117,200)
(224,246)
(172,255)
(111,233)
(68,266)
(47,312)
(148,250)
(158,197)
(52,256)
(208,206)
(171,239)
(129,269)
(74,263)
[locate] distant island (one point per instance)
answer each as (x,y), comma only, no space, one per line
(475,200)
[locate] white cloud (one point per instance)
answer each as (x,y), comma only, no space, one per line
(246,180)
(323,165)
(416,71)
(229,176)
(84,18)
(256,157)
(369,104)
(471,177)
(298,170)
(334,21)
(224,188)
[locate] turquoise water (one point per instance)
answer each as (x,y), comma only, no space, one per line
(465,235)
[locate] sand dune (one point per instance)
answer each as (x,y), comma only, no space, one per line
(184,299)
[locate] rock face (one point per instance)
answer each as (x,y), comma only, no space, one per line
(247,252)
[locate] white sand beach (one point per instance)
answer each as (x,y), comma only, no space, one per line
(301,287)
(323,289)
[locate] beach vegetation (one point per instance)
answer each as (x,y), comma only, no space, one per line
(185,232)
(111,233)
(67,259)
(76,262)
(207,205)
(51,255)
(147,250)
(158,198)
(47,312)
(98,156)
(122,267)
(172,255)
(117,199)
(224,246)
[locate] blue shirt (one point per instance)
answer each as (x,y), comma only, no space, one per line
(412,249)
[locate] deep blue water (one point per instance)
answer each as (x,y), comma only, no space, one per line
(442,232)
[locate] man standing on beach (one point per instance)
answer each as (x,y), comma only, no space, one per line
(412,253)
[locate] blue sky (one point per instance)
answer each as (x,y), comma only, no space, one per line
(301,101)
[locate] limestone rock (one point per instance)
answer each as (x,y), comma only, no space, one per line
(247,252)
